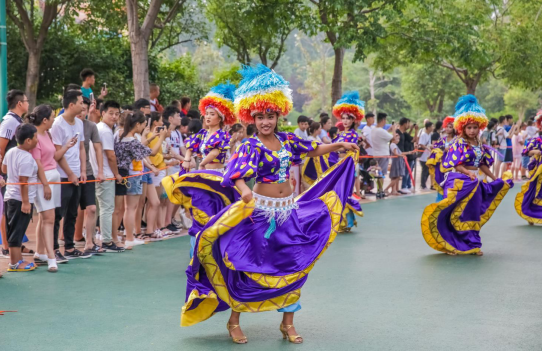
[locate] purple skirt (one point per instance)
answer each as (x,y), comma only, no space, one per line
(201,193)
(528,202)
(453,224)
(437,172)
(314,167)
(236,266)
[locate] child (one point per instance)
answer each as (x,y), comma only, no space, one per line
(21,168)
(397,166)
(376,172)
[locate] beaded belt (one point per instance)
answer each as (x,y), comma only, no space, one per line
(275,210)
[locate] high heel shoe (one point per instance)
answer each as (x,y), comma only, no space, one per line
(241,340)
(294,339)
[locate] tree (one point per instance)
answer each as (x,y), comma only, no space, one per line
(520,100)
(474,39)
(33,23)
(255,27)
(345,22)
(427,87)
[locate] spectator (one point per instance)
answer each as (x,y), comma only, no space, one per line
(154,94)
(366,132)
(381,139)
(425,145)
(518,140)
(94,114)
(20,167)
(325,122)
(437,131)
(88,77)
(186,104)
(185,121)
(105,192)
(314,132)
(237,133)
(195,126)
(501,136)
(69,136)
(127,108)
(143,105)
(177,104)
(406,144)
(397,166)
(47,196)
(333,134)
(194,114)
(251,130)
(18,106)
(302,126)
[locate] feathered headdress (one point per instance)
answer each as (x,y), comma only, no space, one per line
(538,119)
(350,104)
(220,98)
(447,121)
(261,90)
(468,111)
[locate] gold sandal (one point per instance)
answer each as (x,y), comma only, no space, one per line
(295,339)
(242,340)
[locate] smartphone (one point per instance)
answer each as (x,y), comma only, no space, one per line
(104,85)
(160,128)
(149,122)
(91,97)
(77,135)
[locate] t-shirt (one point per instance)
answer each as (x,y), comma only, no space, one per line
(158,159)
(381,140)
(108,143)
(9,124)
(45,152)
(91,134)
(367,134)
(301,134)
(502,134)
(395,147)
(86,92)
(62,132)
(323,134)
(20,163)
(175,141)
(531,131)
(425,140)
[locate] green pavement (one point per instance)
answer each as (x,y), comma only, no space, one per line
(378,288)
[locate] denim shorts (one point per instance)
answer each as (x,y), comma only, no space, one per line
(501,155)
(525,161)
(147,178)
(134,186)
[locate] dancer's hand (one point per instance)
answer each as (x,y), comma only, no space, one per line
(186,165)
(350,146)
(471,175)
(246,195)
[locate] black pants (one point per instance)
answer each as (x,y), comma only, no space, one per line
(425,174)
(70,196)
(16,222)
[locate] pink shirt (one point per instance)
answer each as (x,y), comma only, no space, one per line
(45,152)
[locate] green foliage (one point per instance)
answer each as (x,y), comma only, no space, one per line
(224,75)
(285,128)
(179,78)
(520,100)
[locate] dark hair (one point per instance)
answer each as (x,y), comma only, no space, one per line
(324,119)
(501,119)
(490,125)
(403,121)
(127,107)
(438,125)
(235,128)
(303,119)
(428,124)
(323,115)
(194,126)
(509,117)
(86,101)
(380,117)
(529,123)
(130,121)
(109,104)
(70,97)
(184,101)
(185,121)
(140,103)
(193,114)
(251,130)
(333,131)
(372,162)
(314,127)
(24,131)
(176,103)
(13,98)
(71,86)
(87,72)
(369,115)
(169,111)
(99,103)
(39,113)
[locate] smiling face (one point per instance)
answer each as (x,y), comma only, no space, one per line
(212,118)
(348,121)
(471,130)
(266,122)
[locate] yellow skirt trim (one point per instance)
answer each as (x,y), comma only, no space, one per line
(434,162)
(534,176)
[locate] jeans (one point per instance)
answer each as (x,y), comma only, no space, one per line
(425,174)
(105,192)
(407,182)
(69,198)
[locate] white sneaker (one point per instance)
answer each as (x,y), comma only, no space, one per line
(406,190)
(134,243)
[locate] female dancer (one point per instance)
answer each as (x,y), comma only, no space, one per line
(528,202)
(453,224)
(438,153)
(255,254)
(200,191)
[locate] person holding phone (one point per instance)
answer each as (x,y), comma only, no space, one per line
(88,79)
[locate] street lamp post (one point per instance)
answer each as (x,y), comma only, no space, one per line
(3,60)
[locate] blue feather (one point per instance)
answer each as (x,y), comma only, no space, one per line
(468,103)
(259,78)
(227,90)
(352,98)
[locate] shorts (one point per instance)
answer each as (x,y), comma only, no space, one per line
(383,164)
(525,161)
(16,222)
(134,185)
(157,180)
(501,154)
(121,189)
(88,194)
(146,178)
(43,205)
(509,155)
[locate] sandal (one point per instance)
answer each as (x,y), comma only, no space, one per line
(28,253)
(16,267)
(294,339)
(156,236)
(241,340)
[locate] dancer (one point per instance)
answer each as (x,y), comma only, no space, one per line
(200,191)
(453,224)
(438,153)
(528,202)
(255,254)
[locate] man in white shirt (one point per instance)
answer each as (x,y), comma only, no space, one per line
(370,118)
(501,134)
(105,192)
(425,144)
(381,146)
(303,125)
(68,136)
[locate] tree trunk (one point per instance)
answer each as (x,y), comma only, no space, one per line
(471,85)
(337,82)
(32,77)
(140,66)
(441,103)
